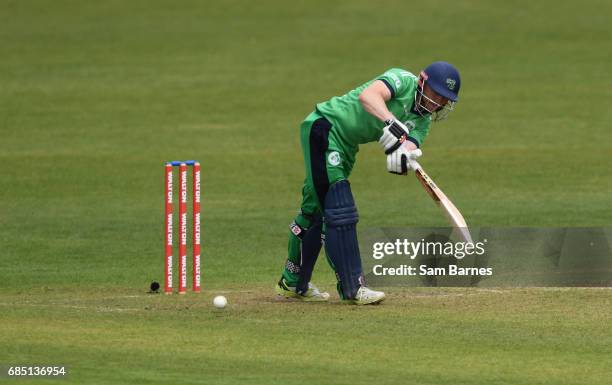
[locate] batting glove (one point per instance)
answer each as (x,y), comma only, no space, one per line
(394,134)
(398,161)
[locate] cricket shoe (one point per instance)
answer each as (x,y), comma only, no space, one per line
(367,296)
(311,295)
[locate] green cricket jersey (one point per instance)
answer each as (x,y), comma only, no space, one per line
(329,149)
(352,125)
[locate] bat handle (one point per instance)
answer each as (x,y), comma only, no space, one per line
(414,164)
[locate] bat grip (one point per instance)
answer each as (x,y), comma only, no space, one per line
(414,164)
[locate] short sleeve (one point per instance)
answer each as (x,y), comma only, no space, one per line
(397,80)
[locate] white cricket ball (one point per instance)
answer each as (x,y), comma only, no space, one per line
(220,302)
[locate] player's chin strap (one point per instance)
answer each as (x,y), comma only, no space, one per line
(440,112)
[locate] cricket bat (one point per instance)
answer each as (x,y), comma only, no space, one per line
(450,211)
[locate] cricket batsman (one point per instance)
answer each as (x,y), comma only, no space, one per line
(396,109)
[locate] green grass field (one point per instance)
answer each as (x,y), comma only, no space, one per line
(95,96)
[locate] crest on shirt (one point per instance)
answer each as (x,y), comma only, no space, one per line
(333,158)
(410,124)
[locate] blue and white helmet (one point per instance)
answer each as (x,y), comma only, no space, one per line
(443,78)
